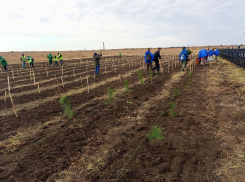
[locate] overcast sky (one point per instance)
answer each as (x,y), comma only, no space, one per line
(31,25)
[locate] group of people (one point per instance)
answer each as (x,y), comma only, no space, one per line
(24,59)
(207,55)
(55,58)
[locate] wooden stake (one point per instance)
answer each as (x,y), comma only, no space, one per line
(62,70)
(168,68)
(175,62)
(30,73)
(115,70)
(17,71)
(13,73)
(5,96)
(8,84)
(34,78)
(172,65)
(38,88)
(73,72)
(120,78)
(62,81)
(1,71)
(59,87)
(47,73)
(13,104)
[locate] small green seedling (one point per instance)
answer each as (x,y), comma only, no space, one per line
(151,75)
(129,102)
(189,74)
(141,76)
(155,133)
(66,106)
(126,86)
(176,92)
(172,111)
(110,95)
(189,52)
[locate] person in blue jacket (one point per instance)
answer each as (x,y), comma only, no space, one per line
(183,57)
(202,55)
(148,60)
(216,53)
(210,54)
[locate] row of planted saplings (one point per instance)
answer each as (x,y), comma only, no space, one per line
(139,73)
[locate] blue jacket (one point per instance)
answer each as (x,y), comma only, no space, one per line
(202,54)
(206,52)
(152,57)
(211,52)
(216,53)
(183,55)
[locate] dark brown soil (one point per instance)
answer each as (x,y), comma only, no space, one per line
(190,150)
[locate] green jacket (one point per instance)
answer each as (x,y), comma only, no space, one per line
(97,59)
(30,59)
(3,61)
(50,57)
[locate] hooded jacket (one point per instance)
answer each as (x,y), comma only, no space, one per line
(216,53)
(211,52)
(30,59)
(152,57)
(202,54)
(183,55)
(97,58)
(50,57)
(3,61)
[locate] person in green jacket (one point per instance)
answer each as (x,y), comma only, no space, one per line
(50,58)
(4,63)
(55,60)
(30,59)
(119,55)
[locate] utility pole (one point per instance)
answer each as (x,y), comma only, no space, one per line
(103,46)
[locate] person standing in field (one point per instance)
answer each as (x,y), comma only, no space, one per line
(148,60)
(31,61)
(210,54)
(61,59)
(56,60)
(50,58)
(119,55)
(4,63)
(216,53)
(97,58)
(23,59)
(157,56)
(183,57)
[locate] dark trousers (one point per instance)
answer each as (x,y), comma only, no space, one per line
(50,64)
(97,69)
(149,67)
(5,69)
(157,66)
(56,63)
(31,65)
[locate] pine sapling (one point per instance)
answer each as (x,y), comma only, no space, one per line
(151,75)
(126,86)
(110,95)
(67,107)
(172,111)
(141,76)
(155,133)
(176,92)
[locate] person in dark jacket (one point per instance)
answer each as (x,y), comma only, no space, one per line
(148,60)
(157,56)
(97,58)
(183,57)
(4,63)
